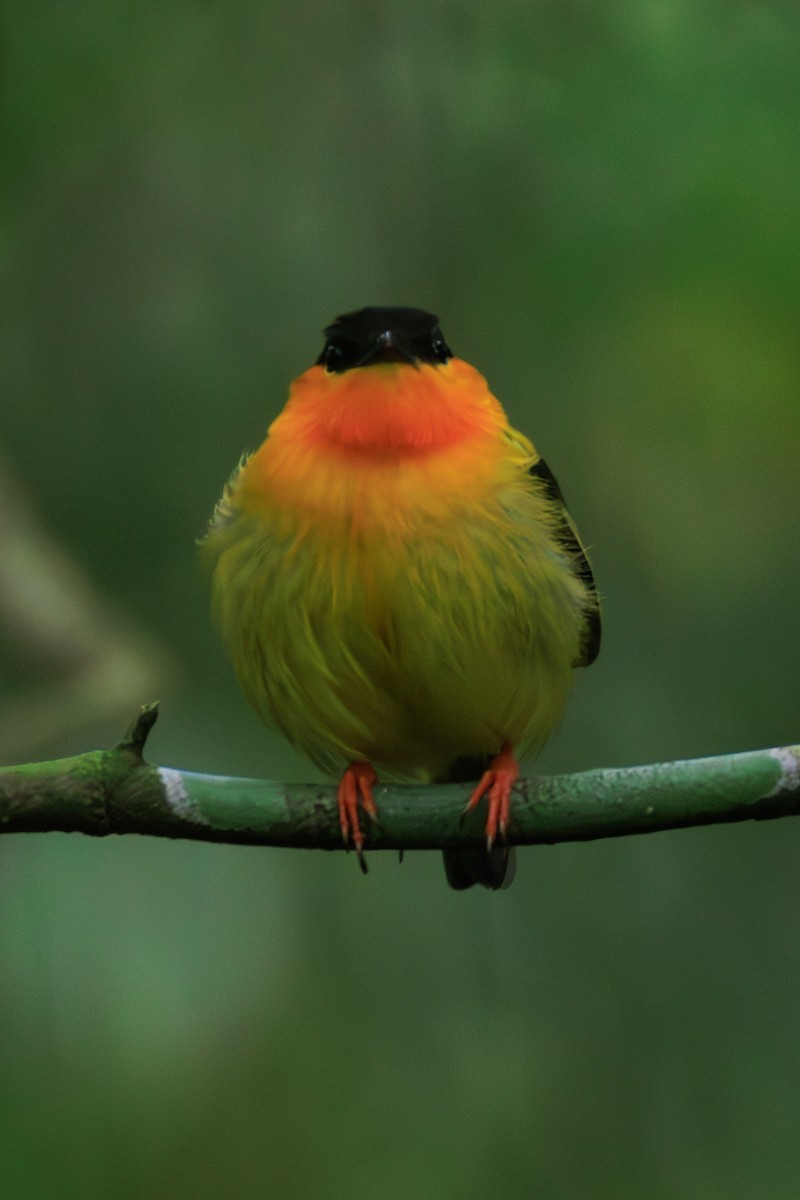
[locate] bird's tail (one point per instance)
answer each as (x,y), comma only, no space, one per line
(466,866)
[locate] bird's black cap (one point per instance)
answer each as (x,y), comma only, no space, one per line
(374,335)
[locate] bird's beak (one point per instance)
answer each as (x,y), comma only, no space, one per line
(387,348)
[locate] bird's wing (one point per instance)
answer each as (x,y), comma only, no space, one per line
(569,540)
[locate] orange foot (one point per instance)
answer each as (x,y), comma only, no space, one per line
(355,787)
(498,779)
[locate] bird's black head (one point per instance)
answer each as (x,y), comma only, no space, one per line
(376,335)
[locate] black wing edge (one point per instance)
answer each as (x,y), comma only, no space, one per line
(569,541)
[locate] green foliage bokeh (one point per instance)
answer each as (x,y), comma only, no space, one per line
(600,201)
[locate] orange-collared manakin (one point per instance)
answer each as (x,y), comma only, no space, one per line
(397,578)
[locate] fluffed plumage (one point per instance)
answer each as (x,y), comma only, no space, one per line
(395,574)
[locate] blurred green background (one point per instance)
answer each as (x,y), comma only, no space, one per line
(601,202)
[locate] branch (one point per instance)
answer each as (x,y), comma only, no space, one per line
(116,791)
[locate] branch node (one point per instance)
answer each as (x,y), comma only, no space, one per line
(136,734)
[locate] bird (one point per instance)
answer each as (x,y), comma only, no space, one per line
(398,581)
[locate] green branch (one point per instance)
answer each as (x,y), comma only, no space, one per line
(116,791)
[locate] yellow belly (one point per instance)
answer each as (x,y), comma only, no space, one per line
(454,634)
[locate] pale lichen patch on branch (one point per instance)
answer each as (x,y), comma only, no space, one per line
(177,797)
(788,758)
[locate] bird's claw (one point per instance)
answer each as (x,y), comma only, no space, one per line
(497,781)
(354,791)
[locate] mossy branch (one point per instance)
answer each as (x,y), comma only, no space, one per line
(116,791)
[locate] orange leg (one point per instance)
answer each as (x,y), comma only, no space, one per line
(497,780)
(355,788)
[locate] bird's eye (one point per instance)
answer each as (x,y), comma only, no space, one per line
(332,356)
(439,347)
